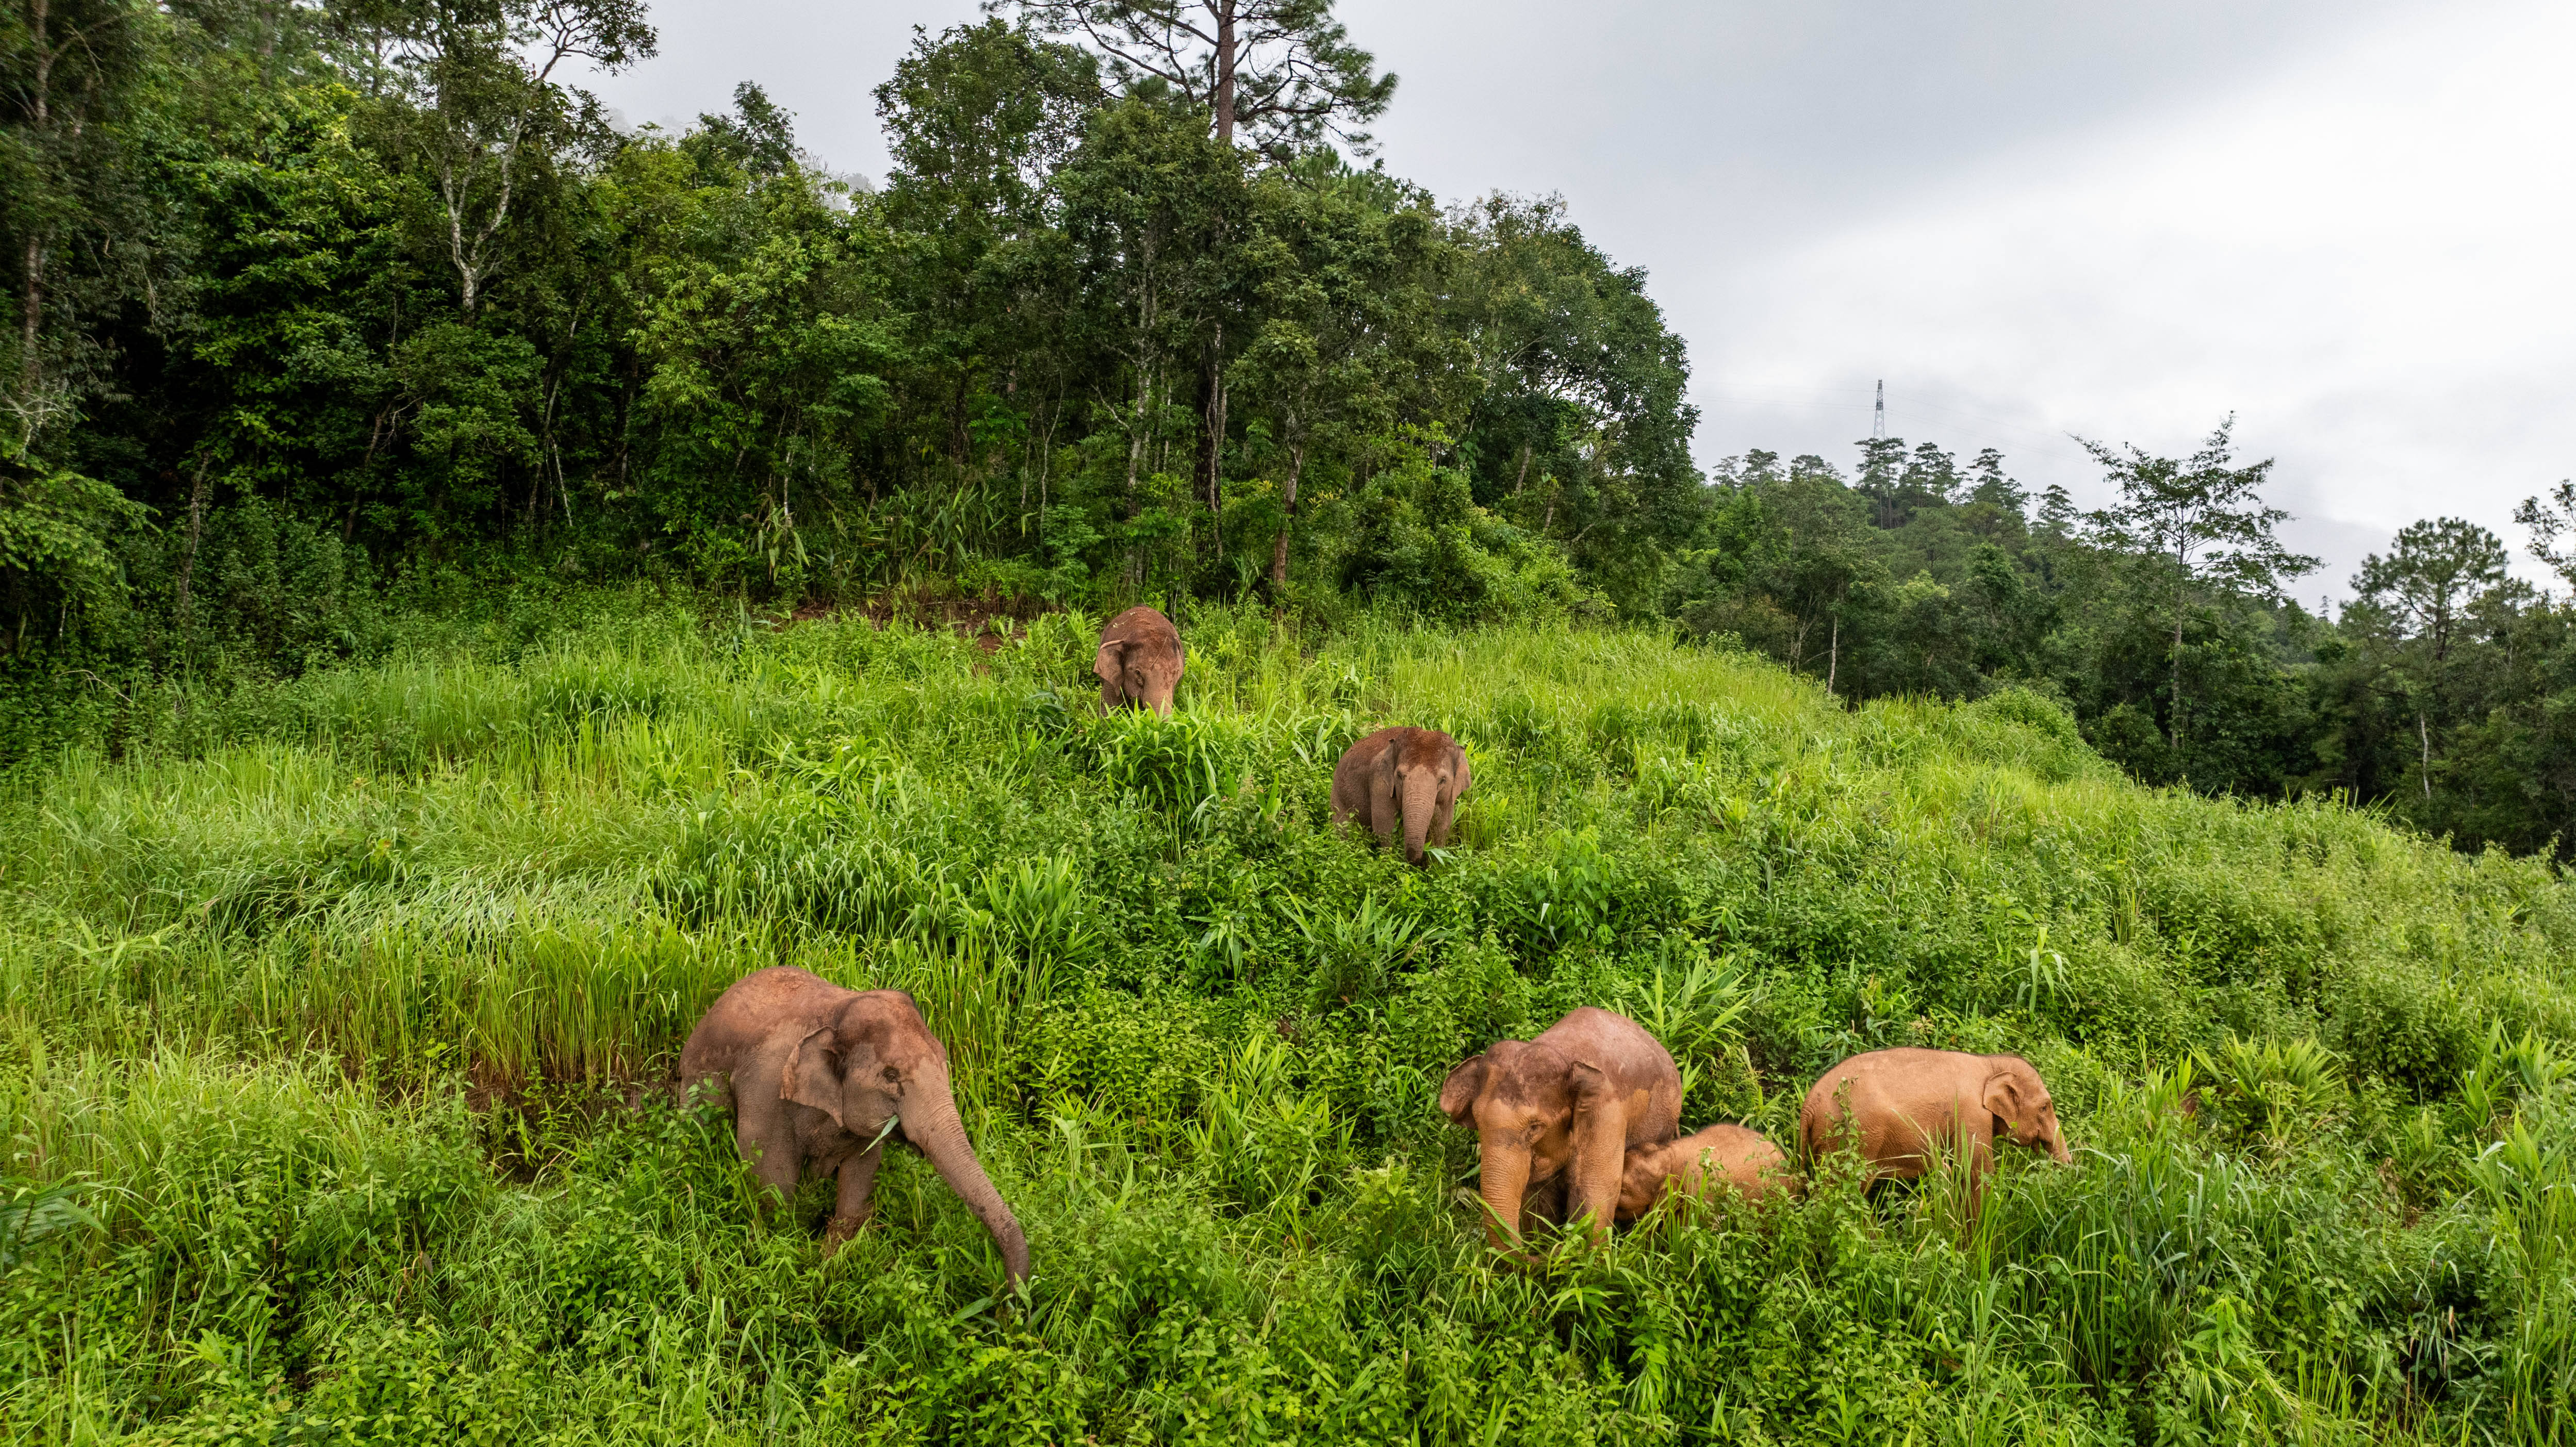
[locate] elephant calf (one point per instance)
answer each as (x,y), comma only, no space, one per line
(1407,774)
(820,1074)
(1717,1156)
(1896,1105)
(1572,1102)
(1140,661)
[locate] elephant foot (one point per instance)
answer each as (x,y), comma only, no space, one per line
(836,1235)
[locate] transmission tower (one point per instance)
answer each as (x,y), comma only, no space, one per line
(1878,418)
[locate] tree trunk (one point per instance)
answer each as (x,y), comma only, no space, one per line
(188,561)
(1834,654)
(1224,70)
(1216,428)
(2173,690)
(31,367)
(2426,734)
(1288,518)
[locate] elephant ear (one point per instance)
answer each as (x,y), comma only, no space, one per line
(2009,1098)
(1110,661)
(1465,775)
(1458,1093)
(813,1074)
(1590,1085)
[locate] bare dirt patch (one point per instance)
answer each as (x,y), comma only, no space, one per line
(989,619)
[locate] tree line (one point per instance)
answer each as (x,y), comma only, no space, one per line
(323,304)
(2444,691)
(367,287)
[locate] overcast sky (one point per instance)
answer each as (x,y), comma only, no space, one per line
(2347,223)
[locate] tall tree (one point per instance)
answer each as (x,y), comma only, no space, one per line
(2553,529)
(981,120)
(69,71)
(2431,576)
(1349,266)
(2205,524)
(1580,428)
(2437,571)
(483,107)
(1282,73)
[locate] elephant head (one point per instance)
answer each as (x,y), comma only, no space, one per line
(1425,772)
(871,1065)
(2024,1113)
(1140,661)
(1534,1108)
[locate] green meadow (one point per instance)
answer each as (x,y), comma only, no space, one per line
(340,1016)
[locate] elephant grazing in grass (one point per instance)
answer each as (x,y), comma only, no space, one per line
(1571,1103)
(1898,1106)
(820,1076)
(1713,1158)
(1402,774)
(1140,661)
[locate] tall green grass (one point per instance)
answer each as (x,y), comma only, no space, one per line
(340,1014)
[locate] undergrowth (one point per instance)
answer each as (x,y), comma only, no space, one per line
(340,1013)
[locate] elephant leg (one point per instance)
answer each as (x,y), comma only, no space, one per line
(1546,1201)
(1595,1191)
(858,1190)
(1385,817)
(1978,1145)
(767,1139)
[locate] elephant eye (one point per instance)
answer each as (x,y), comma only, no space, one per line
(892,1075)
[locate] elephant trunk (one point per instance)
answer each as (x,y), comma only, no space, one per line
(1421,792)
(932,1125)
(1502,1179)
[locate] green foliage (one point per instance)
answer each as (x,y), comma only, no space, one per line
(338,1012)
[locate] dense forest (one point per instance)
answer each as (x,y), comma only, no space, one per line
(327,314)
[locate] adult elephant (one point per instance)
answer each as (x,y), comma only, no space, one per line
(820,1075)
(1402,775)
(1140,660)
(1570,1103)
(1897,1106)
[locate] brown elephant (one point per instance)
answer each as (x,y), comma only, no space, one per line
(1573,1102)
(820,1075)
(1898,1104)
(1407,774)
(1705,1160)
(1140,661)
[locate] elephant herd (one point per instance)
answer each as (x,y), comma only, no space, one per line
(1580,1123)
(1583,1122)
(1398,778)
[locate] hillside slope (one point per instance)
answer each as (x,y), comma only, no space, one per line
(336,1011)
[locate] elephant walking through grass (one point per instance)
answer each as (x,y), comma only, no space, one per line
(1140,661)
(1899,1107)
(1407,776)
(823,1077)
